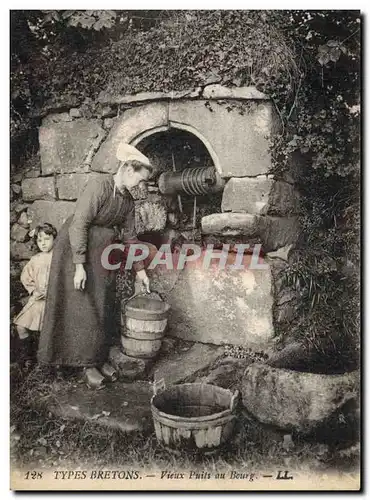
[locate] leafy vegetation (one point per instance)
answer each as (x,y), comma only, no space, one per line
(307,62)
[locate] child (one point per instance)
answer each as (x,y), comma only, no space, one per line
(34,278)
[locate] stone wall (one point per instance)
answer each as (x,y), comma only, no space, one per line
(235,126)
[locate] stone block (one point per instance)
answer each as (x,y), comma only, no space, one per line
(21,251)
(19,207)
(131,124)
(150,216)
(71,186)
(280,253)
(178,367)
(127,367)
(39,188)
(259,195)
(238,144)
(55,213)
(293,400)
(228,374)
(64,146)
(230,224)
(75,113)
(18,233)
(23,220)
(277,232)
(13,217)
(272,232)
(121,406)
(16,188)
(218,306)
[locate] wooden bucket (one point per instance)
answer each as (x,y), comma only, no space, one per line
(139,348)
(146,322)
(194,416)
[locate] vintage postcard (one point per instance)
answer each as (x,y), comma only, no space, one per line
(185,250)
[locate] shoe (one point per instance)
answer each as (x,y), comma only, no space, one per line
(93,378)
(109,372)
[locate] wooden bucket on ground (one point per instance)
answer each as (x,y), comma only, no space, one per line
(146,319)
(194,416)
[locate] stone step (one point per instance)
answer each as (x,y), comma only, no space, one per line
(121,406)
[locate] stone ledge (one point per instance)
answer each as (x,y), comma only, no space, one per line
(230,224)
(212,92)
(272,232)
(217,91)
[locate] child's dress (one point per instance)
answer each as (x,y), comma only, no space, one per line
(35,277)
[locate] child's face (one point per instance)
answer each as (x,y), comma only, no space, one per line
(45,242)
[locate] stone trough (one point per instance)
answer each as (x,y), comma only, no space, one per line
(296,401)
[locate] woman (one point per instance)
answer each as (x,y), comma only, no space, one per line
(79,320)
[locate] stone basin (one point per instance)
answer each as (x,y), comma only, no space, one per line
(296,401)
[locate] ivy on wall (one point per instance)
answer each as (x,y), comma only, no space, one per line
(307,62)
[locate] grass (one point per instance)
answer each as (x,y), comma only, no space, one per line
(39,439)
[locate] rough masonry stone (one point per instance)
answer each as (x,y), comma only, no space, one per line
(127,127)
(259,195)
(55,213)
(64,146)
(71,186)
(294,400)
(277,232)
(23,220)
(21,251)
(19,233)
(238,144)
(39,188)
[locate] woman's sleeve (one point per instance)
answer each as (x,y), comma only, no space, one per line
(88,206)
(129,233)
(129,229)
(28,277)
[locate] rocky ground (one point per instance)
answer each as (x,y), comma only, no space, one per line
(57,422)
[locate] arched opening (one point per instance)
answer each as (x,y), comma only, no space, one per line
(174,150)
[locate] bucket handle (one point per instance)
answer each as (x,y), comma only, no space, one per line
(144,294)
(234,400)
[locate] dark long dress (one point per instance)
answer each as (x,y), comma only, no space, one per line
(79,325)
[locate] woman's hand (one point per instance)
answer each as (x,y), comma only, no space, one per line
(144,278)
(80,277)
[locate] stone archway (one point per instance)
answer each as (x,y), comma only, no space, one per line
(238,141)
(187,128)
